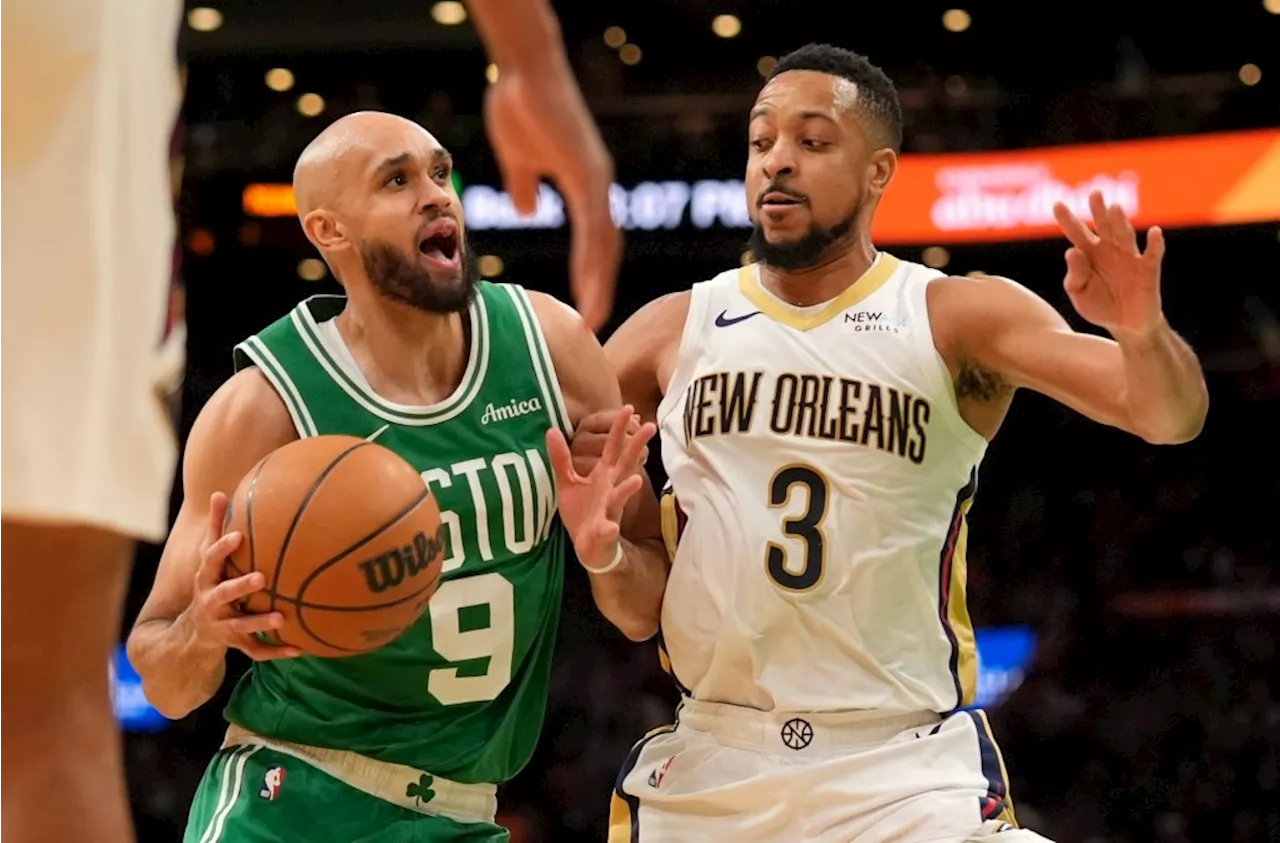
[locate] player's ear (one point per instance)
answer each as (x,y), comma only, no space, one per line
(880,171)
(325,231)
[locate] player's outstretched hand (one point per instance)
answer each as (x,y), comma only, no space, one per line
(591,436)
(1110,281)
(591,506)
(539,126)
(215,619)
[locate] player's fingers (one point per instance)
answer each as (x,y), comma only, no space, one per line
(1079,235)
(218,510)
(1098,207)
(561,458)
(617,435)
(594,254)
(634,455)
(1155,244)
(503,126)
(249,624)
(212,559)
(1121,229)
(601,422)
(1078,271)
(622,493)
(225,593)
(522,186)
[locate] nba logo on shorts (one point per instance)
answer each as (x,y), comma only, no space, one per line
(655,778)
(271,783)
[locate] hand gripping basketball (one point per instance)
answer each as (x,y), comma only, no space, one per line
(215,618)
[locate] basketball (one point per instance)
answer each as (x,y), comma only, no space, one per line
(347,535)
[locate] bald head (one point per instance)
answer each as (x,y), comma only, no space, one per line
(345,152)
(375,196)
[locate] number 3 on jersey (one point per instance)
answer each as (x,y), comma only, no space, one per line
(805,529)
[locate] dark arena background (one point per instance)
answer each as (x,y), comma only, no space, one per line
(1126,596)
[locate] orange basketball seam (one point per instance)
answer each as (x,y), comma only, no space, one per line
(302,587)
(248,512)
(297,517)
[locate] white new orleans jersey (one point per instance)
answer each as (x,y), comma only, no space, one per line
(821,474)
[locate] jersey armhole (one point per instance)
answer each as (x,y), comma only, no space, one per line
(687,354)
(540,356)
(254,352)
(936,373)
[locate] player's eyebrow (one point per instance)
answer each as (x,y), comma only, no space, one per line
(393,163)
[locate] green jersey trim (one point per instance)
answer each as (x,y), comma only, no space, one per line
(451,407)
(267,363)
(541,357)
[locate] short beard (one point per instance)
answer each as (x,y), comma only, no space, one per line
(804,253)
(404,280)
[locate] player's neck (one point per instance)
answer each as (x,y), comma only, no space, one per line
(838,270)
(407,355)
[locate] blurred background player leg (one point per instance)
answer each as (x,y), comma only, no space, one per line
(90,92)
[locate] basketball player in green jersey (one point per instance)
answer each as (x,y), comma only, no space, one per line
(477,385)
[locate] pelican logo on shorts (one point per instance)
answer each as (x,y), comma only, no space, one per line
(797,733)
(271,783)
(387,570)
(510,410)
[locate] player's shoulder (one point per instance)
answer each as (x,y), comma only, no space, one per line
(244,421)
(246,408)
(979,295)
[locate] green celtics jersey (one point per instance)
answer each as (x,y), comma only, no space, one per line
(462,693)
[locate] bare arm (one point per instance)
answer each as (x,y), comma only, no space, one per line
(629,595)
(181,666)
(520,34)
(643,351)
(1002,336)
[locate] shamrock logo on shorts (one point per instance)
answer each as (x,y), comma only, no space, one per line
(420,791)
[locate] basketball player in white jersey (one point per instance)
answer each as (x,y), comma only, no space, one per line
(90,93)
(823,414)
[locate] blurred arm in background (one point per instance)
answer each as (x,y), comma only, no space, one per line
(539,125)
(180,640)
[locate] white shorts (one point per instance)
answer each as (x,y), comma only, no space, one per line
(726,773)
(90,93)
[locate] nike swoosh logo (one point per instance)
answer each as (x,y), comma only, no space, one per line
(723,320)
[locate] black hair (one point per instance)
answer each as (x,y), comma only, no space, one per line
(877,96)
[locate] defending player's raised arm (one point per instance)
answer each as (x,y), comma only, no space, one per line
(179,642)
(1146,380)
(611,513)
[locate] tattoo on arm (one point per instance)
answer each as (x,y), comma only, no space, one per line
(980,384)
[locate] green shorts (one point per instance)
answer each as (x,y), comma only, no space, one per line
(251,794)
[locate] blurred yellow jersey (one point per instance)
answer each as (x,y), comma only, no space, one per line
(820,473)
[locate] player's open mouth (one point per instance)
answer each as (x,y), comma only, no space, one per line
(441,243)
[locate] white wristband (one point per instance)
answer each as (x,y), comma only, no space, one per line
(617,560)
